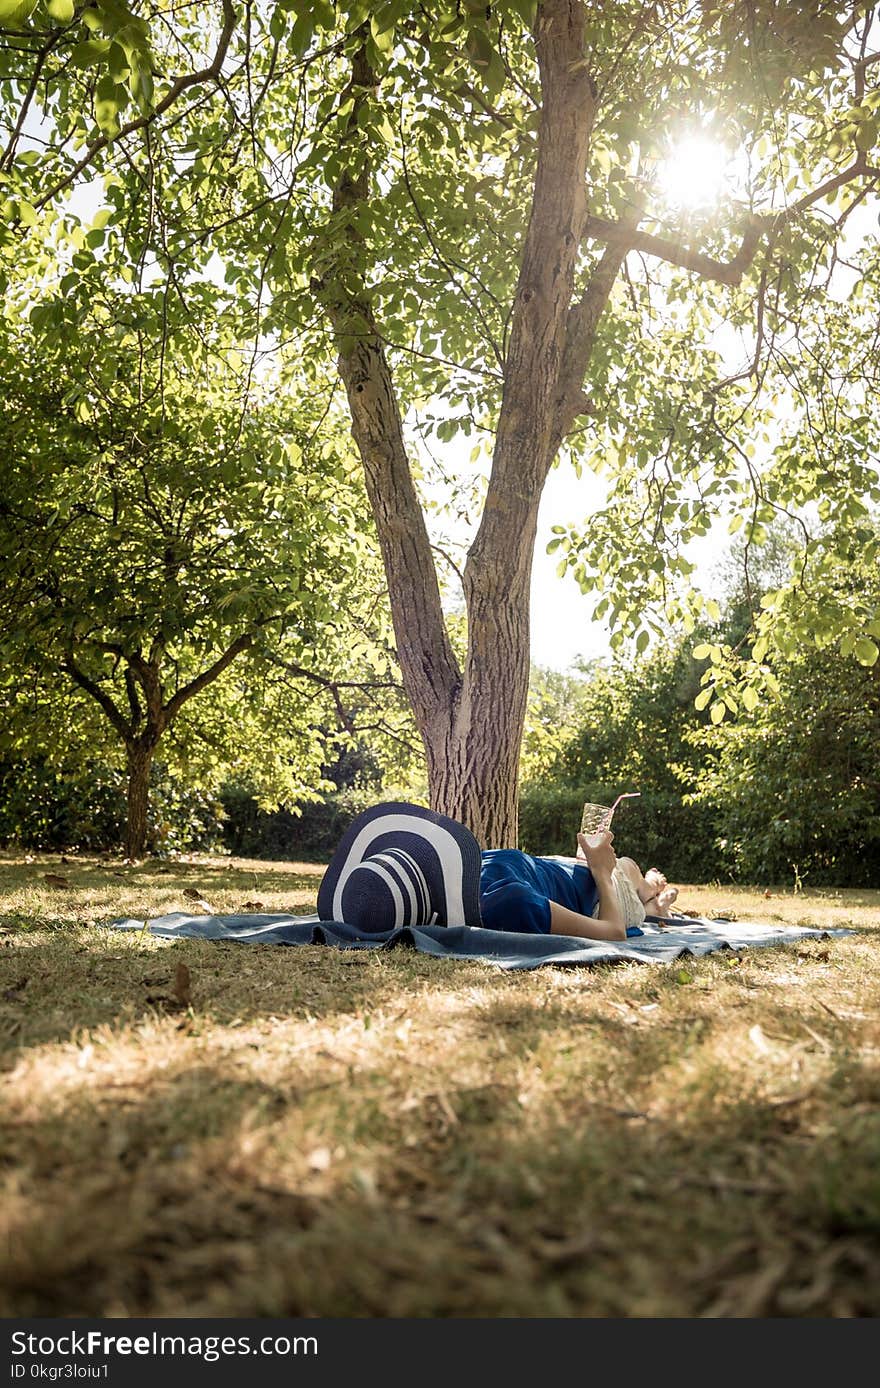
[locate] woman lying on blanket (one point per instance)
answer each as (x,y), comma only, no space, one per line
(400,865)
(598,895)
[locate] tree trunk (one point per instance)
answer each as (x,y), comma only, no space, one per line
(471,722)
(147,720)
(473,762)
(140,760)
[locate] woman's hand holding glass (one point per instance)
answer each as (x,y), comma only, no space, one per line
(598,853)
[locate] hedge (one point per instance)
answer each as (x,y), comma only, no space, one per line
(44,807)
(310,835)
(51,808)
(656,830)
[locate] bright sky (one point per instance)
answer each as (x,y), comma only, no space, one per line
(562,628)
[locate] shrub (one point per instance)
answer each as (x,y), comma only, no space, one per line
(312,834)
(50,807)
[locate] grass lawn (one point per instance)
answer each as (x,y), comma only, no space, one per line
(312,1132)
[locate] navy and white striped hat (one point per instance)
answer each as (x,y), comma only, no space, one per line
(402,865)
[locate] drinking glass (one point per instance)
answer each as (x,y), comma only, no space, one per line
(596,818)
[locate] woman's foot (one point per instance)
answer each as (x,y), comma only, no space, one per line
(666,900)
(662,896)
(655,883)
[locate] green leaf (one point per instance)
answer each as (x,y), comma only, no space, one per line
(717,711)
(383,38)
(866,651)
(301,35)
(479,48)
(89,52)
(14,13)
(62,10)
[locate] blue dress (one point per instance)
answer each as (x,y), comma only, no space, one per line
(516,890)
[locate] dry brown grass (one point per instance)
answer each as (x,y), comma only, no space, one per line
(328,1133)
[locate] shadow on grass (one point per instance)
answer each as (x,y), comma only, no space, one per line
(519,1166)
(57,988)
(206,1196)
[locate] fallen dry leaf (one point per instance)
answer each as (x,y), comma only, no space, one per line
(195,896)
(182,985)
(252,906)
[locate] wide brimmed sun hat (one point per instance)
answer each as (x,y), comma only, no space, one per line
(402,865)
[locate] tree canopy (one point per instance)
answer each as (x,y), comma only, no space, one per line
(463,206)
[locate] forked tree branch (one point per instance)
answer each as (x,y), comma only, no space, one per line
(174,705)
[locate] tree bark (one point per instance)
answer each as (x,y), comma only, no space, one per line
(140,760)
(480,780)
(471,722)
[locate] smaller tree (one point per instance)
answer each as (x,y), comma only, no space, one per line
(162,514)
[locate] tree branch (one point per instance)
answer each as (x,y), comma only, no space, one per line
(42,55)
(625,238)
(179,85)
(756,228)
(174,705)
(346,716)
(134,702)
(427,660)
(148,674)
(99,695)
(545,285)
(583,323)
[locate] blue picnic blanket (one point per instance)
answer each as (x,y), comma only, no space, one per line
(507,949)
